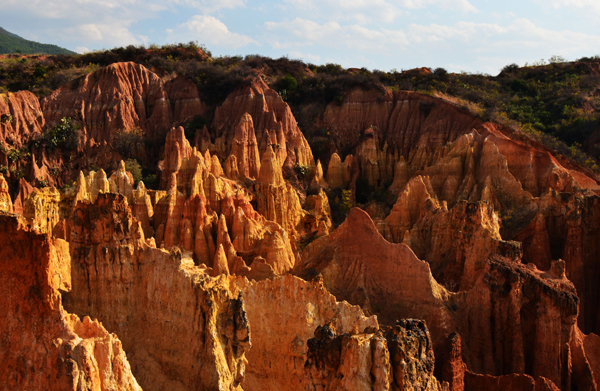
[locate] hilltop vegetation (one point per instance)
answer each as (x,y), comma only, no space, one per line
(554,102)
(11,43)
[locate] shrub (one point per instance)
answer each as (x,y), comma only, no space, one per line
(151,181)
(510,68)
(190,128)
(302,170)
(134,167)
(288,83)
(129,142)
(62,135)
(440,72)
(346,201)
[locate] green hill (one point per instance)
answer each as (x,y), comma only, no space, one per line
(11,43)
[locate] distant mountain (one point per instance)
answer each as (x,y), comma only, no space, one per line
(12,43)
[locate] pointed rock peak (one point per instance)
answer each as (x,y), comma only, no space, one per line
(406,239)
(258,86)
(3,183)
(270,171)
(319,170)
(5,200)
(246,120)
(216,168)
(244,131)
(172,186)
(121,167)
(318,180)
(100,174)
(197,186)
(231,167)
(141,187)
(222,226)
(360,223)
(220,263)
(335,158)
(335,171)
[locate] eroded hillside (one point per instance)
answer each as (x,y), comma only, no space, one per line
(427,250)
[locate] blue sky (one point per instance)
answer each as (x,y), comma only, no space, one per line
(459,35)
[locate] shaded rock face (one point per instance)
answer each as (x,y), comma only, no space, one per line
(514,319)
(400,357)
(454,242)
(525,315)
(55,350)
(272,122)
(567,228)
(282,327)
(21,118)
(123,96)
(195,279)
(383,130)
(118,277)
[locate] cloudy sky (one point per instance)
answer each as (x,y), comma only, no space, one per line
(459,35)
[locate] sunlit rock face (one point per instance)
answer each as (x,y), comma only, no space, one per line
(468,264)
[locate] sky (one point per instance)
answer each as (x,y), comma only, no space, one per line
(475,36)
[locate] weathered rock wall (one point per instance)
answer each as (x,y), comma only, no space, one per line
(42,346)
(183,329)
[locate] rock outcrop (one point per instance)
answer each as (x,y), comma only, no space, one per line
(387,127)
(399,358)
(121,279)
(258,109)
(5,200)
(282,328)
(121,97)
(21,119)
(41,345)
(567,228)
(358,265)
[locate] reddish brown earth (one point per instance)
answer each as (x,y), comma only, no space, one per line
(42,346)
(120,97)
(472,265)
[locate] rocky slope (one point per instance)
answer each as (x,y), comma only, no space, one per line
(471,263)
(42,346)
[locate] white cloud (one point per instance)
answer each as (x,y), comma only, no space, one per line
(104,34)
(306,56)
(593,4)
(369,11)
(81,49)
(303,32)
(210,31)
(209,6)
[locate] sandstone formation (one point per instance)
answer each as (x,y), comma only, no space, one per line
(271,122)
(130,285)
(42,346)
(471,265)
(130,97)
(394,125)
(284,326)
(566,227)
(358,265)
(5,200)
(21,119)
(399,358)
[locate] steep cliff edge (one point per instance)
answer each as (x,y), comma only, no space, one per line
(514,319)
(120,97)
(262,110)
(42,346)
(198,339)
